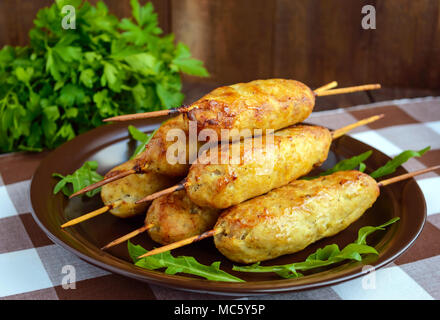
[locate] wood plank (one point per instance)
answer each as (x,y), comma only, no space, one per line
(405,49)
(309,40)
(320,41)
(233,38)
(16,20)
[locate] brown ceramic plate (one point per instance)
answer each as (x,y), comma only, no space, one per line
(110,145)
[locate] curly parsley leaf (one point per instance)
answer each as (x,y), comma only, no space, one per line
(187,64)
(81,178)
(182,264)
(66,81)
(330,254)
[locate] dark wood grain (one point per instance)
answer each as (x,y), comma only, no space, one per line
(309,40)
(16,19)
(402,93)
(321,41)
(405,51)
(233,38)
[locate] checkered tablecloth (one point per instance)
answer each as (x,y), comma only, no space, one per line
(31,266)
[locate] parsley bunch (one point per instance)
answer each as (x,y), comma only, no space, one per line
(67,80)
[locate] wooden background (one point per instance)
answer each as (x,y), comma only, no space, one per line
(309,40)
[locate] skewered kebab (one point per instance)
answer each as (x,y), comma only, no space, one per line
(268,93)
(173,217)
(316,151)
(262,104)
(153,157)
(119,197)
(288,219)
(288,159)
(296,151)
(183,109)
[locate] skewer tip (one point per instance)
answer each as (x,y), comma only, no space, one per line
(328,86)
(181,243)
(163,192)
(364,87)
(128,236)
(341,131)
(87,216)
(145,115)
(405,176)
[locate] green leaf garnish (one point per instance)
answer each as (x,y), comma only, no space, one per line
(358,161)
(143,138)
(81,178)
(66,82)
(398,160)
(330,254)
(365,231)
(346,164)
(182,264)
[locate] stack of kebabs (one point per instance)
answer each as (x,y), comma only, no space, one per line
(252,216)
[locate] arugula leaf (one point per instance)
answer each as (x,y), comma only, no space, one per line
(330,254)
(81,178)
(143,138)
(347,164)
(182,264)
(365,231)
(358,161)
(392,165)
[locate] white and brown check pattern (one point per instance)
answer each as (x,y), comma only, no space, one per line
(31,265)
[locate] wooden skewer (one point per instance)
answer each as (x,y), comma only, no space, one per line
(349,90)
(91,214)
(151,197)
(153,114)
(146,115)
(128,236)
(319,91)
(328,86)
(214,232)
(103,182)
(335,134)
(341,131)
(406,176)
(182,243)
